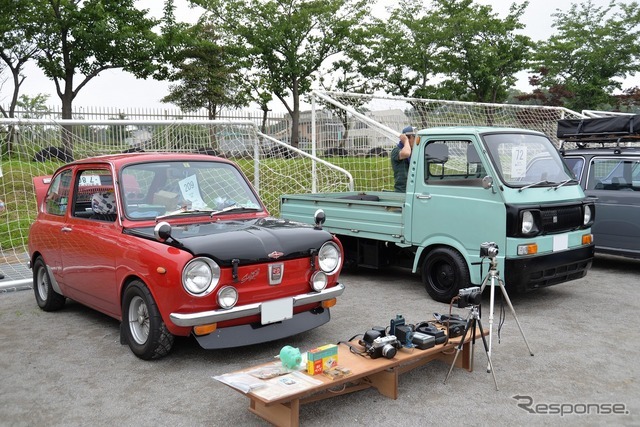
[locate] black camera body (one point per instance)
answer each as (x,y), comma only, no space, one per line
(488,250)
(377,344)
(469,296)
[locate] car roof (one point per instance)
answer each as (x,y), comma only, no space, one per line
(122,159)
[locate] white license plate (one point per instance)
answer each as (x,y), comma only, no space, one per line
(277,310)
(560,242)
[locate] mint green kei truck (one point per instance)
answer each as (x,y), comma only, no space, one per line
(467,186)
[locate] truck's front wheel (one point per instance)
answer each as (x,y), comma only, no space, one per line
(444,273)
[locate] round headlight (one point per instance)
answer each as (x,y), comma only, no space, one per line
(329,257)
(200,276)
(587,215)
(227,297)
(318,281)
(527,222)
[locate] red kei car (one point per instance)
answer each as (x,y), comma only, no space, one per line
(178,244)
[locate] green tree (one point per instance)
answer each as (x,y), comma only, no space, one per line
(400,53)
(592,50)
(481,53)
(449,49)
(289,40)
(17,46)
(80,39)
(207,74)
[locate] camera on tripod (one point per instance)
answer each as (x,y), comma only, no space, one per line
(469,296)
(488,250)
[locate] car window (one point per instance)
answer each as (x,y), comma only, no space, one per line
(453,162)
(526,160)
(159,188)
(576,164)
(94,196)
(614,174)
(57,197)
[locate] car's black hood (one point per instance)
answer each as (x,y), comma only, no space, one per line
(250,241)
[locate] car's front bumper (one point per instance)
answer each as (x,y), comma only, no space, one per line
(215,316)
(255,333)
(525,274)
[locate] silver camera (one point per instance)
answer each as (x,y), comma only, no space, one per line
(488,250)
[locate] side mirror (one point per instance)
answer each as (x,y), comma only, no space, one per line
(162,231)
(319,217)
(487,182)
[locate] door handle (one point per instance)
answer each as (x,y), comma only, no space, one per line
(423,196)
(66,229)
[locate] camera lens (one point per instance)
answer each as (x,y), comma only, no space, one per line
(389,351)
(476,298)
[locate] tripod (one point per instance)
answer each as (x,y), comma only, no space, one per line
(493,279)
(473,320)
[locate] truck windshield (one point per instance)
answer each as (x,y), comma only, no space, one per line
(158,189)
(527,160)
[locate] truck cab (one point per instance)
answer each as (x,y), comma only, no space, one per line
(508,186)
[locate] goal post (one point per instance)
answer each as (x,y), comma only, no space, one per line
(36,147)
(358,131)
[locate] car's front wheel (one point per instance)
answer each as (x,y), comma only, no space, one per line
(46,297)
(144,329)
(444,273)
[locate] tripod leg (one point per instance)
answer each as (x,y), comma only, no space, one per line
(467,328)
(492,298)
(486,350)
(506,297)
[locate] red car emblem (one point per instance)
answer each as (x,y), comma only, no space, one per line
(275,254)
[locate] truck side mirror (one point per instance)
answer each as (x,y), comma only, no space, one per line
(487,182)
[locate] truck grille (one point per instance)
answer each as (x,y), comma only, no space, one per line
(556,220)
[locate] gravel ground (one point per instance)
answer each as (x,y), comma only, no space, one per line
(68,368)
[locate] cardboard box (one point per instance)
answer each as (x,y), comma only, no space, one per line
(322,358)
(169,199)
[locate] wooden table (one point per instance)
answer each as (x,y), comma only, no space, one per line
(380,373)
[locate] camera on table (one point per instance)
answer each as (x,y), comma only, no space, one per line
(469,296)
(378,345)
(488,250)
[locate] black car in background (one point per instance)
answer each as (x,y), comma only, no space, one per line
(606,161)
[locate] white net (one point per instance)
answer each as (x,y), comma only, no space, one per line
(34,148)
(351,134)
(360,131)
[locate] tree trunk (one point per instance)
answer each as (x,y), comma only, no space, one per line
(295,116)
(67,113)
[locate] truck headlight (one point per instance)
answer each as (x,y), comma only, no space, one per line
(200,276)
(329,257)
(587,215)
(528,223)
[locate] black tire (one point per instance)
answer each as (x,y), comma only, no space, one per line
(143,327)
(444,273)
(46,297)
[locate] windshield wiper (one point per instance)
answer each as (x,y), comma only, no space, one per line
(234,208)
(565,182)
(181,212)
(544,181)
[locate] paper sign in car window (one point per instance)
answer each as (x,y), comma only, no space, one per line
(191,192)
(518,161)
(89,180)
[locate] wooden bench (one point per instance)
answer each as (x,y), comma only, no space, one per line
(283,408)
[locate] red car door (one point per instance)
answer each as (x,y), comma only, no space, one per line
(89,244)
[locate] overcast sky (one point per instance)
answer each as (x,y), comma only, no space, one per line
(114,88)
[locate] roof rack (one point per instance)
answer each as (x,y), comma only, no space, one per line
(615,129)
(611,132)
